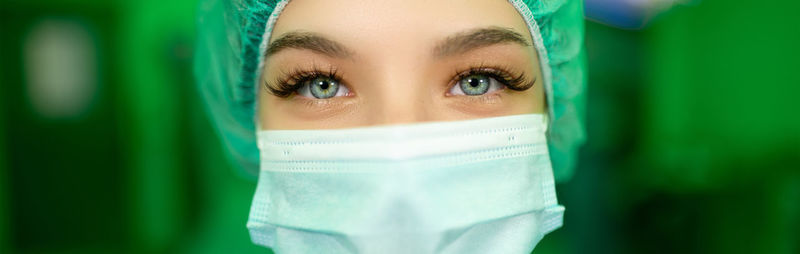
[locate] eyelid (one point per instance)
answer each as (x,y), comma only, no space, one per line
(502,75)
(305,89)
(289,82)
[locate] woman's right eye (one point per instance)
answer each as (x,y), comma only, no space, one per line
(322,87)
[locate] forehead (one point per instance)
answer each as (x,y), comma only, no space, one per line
(368,24)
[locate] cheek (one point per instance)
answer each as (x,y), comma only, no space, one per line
(268,114)
(526,102)
(501,103)
(530,101)
(297,113)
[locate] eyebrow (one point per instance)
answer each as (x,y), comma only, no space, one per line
(477,38)
(455,44)
(310,41)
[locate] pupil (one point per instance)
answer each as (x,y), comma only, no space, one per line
(324,85)
(473,82)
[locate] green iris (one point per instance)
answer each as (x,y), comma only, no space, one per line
(323,87)
(475,84)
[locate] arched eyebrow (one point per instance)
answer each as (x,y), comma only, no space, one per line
(458,43)
(477,38)
(310,41)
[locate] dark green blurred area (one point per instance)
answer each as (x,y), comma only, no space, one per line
(693,126)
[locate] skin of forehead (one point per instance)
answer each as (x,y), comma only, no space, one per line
(379,23)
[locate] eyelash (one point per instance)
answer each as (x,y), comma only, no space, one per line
(295,79)
(513,81)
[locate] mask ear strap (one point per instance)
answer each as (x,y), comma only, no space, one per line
(259,143)
(552,219)
(553,214)
(546,121)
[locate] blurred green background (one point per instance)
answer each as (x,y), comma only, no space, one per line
(693,134)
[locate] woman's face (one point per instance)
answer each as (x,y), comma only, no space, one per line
(347,63)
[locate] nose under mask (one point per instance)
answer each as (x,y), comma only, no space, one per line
(473,186)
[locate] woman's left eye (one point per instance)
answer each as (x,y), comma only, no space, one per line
(475,84)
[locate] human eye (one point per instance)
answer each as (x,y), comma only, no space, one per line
(312,84)
(322,87)
(486,80)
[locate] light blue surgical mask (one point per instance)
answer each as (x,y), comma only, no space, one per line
(473,186)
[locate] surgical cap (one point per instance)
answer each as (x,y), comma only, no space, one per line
(232,36)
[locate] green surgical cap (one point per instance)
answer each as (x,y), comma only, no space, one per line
(230,49)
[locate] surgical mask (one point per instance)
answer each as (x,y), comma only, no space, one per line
(473,186)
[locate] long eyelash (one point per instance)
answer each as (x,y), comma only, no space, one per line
(289,82)
(513,81)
